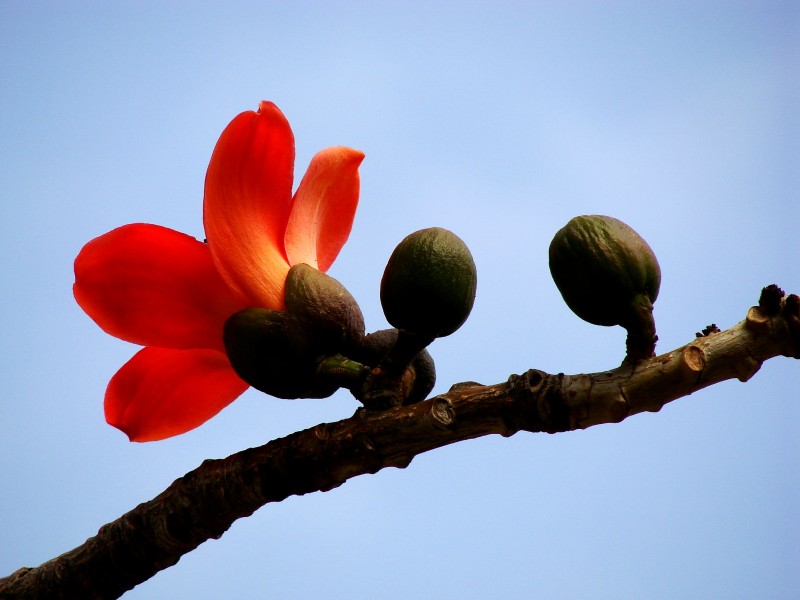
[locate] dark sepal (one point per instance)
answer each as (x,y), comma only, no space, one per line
(275,353)
(325,305)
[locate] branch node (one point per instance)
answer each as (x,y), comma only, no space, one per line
(399,461)
(746,368)
(619,408)
(457,387)
(527,414)
(553,412)
(322,431)
(757,320)
(534,379)
(708,330)
(442,412)
(694,359)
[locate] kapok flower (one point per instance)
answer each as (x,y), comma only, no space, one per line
(165,290)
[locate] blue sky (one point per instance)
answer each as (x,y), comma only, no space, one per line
(499,121)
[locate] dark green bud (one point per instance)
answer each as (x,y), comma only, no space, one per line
(429,284)
(608,275)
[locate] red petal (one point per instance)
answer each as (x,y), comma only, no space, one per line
(247,199)
(154,286)
(160,392)
(324,208)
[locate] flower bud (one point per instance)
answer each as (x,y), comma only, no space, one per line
(608,275)
(428,287)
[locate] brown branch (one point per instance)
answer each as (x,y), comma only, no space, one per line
(205,502)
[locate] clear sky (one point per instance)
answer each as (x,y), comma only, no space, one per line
(499,121)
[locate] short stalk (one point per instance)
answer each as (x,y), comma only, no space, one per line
(641,341)
(342,371)
(390,383)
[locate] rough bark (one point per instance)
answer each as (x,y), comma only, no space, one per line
(205,502)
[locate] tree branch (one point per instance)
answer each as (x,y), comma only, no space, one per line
(205,502)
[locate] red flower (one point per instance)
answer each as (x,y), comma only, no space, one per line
(167,291)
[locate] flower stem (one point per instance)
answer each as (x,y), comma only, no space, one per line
(342,371)
(641,340)
(390,383)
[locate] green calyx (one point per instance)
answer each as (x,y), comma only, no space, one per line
(296,353)
(429,284)
(275,353)
(608,275)
(325,305)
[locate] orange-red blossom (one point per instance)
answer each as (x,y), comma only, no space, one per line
(165,290)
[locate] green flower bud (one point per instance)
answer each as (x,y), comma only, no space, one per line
(608,275)
(428,287)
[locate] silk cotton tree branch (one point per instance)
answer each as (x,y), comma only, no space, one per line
(204,503)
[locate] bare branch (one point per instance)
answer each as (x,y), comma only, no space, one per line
(205,502)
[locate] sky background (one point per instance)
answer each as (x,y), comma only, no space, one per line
(499,121)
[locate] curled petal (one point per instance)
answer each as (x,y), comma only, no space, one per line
(248,194)
(324,208)
(154,286)
(162,392)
